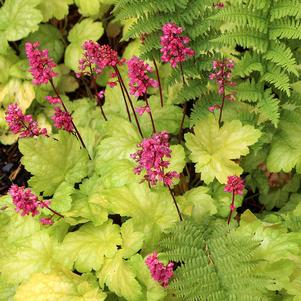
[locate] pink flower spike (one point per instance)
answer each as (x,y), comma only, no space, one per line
(174,50)
(25,201)
(41,66)
(142,110)
(97,57)
(46,221)
(22,124)
(151,157)
(53,100)
(158,270)
(62,120)
(139,78)
(234,185)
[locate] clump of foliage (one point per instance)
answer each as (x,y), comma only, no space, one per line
(151,130)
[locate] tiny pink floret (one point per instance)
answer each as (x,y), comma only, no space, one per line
(53,100)
(46,221)
(158,270)
(234,185)
(22,124)
(139,77)
(41,66)
(174,49)
(142,110)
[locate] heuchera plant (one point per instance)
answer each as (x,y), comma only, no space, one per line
(142,159)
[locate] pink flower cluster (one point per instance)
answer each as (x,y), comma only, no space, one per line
(174,49)
(150,157)
(234,185)
(25,201)
(139,78)
(158,270)
(22,124)
(41,66)
(62,120)
(97,57)
(222,75)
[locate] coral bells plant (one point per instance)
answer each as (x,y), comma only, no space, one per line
(174,45)
(22,124)
(160,272)
(235,185)
(62,120)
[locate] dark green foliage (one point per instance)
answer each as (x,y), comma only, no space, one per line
(215,263)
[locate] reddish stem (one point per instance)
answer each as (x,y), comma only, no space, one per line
(223,101)
(150,115)
(53,211)
(129,98)
(175,202)
(159,82)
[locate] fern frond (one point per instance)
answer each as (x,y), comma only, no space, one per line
(246,38)
(240,16)
(285,8)
(249,91)
(278,78)
(248,64)
(268,108)
(282,56)
(216,263)
(285,29)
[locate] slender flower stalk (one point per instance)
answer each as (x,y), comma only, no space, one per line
(71,120)
(159,83)
(151,158)
(121,82)
(222,76)
(235,185)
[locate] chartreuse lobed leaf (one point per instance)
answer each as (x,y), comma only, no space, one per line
(54,8)
(152,211)
(53,162)
(118,275)
(213,148)
(285,149)
(87,247)
(7,291)
(18,18)
(87,29)
(23,258)
(85,206)
(58,285)
(16,90)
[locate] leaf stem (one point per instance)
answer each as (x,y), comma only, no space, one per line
(50,209)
